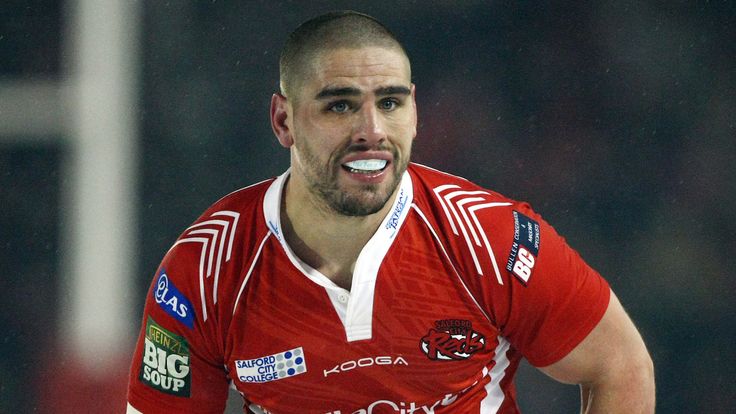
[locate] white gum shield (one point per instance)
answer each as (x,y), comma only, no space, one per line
(366,165)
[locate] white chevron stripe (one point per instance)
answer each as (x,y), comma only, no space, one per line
(219,255)
(211,258)
(450,261)
(224,224)
(448,199)
(461,204)
(217,232)
(202,256)
(235,217)
(437,192)
(250,270)
(483,234)
(460,209)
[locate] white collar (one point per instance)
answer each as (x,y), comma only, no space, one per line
(357,312)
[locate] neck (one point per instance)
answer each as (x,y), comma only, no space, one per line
(328,241)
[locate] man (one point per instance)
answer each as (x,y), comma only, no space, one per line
(357,282)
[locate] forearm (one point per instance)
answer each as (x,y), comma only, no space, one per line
(630,395)
(584,399)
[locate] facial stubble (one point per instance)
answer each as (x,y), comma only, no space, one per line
(359,200)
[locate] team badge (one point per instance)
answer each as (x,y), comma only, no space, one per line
(524,249)
(272,367)
(452,340)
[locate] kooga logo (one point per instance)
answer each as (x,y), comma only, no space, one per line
(365,362)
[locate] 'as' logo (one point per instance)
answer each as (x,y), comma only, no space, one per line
(452,339)
(172,301)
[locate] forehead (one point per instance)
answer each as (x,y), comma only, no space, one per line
(367,66)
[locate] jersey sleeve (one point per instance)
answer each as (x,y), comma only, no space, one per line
(177,365)
(551,299)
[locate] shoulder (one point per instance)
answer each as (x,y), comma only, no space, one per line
(445,186)
(475,225)
(233,216)
(232,219)
(460,203)
(486,232)
(215,246)
(230,223)
(240,201)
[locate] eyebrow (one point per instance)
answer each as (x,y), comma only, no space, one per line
(331,92)
(393,90)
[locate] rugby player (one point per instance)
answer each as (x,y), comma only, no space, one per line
(360,282)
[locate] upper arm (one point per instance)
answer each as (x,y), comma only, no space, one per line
(613,346)
(611,364)
(547,313)
(566,319)
(177,366)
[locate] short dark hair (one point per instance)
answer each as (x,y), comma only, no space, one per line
(334,30)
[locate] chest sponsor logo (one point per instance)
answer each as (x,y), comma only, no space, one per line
(272,367)
(365,362)
(524,248)
(452,340)
(165,364)
(402,407)
(172,301)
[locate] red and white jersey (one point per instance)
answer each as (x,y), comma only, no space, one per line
(454,288)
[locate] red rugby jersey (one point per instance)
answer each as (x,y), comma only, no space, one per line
(456,286)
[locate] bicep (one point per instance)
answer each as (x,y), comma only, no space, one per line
(177,365)
(611,349)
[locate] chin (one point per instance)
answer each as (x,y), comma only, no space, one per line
(361,204)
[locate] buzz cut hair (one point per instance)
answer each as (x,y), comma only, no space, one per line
(335,30)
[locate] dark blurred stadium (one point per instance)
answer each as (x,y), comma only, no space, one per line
(120,121)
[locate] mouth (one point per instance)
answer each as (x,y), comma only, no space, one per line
(366,167)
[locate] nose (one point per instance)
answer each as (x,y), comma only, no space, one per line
(369,128)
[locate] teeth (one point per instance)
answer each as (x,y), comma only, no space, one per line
(366,165)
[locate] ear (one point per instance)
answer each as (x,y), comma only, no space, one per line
(279,117)
(414,107)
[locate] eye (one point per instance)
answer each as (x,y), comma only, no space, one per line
(339,107)
(388,104)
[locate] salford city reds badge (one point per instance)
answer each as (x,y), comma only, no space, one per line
(452,340)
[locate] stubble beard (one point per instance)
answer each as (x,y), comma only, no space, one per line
(365,200)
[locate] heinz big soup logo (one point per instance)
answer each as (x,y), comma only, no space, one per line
(165,364)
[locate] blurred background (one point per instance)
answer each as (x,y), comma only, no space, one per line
(121,121)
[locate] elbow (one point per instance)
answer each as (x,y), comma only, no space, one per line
(628,385)
(649,369)
(646,380)
(640,384)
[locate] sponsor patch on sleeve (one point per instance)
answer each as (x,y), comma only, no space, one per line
(524,249)
(165,364)
(172,301)
(272,367)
